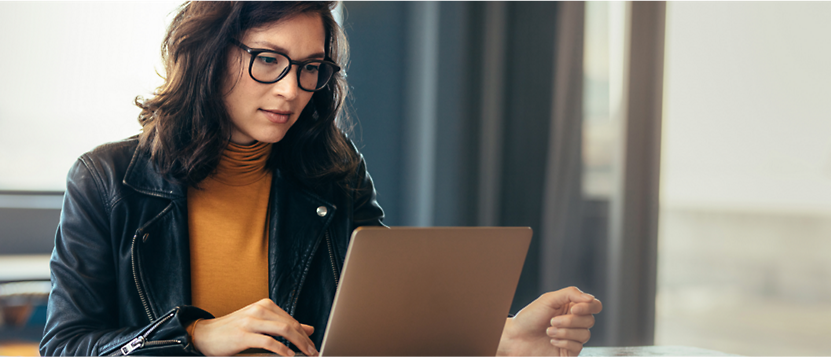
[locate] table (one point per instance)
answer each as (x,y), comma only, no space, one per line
(643,351)
(650,351)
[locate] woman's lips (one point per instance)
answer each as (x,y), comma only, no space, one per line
(277,117)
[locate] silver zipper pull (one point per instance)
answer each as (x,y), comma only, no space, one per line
(133,345)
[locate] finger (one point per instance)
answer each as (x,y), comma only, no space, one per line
(308,329)
(573,321)
(564,296)
(286,326)
(572,347)
(580,335)
(586,308)
(291,330)
(272,320)
(267,343)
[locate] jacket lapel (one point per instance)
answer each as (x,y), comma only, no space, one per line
(297,229)
(298,221)
(142,176)
(161,246)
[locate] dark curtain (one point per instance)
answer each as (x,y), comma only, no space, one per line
(470,114)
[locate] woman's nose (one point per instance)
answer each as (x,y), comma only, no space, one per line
(287,87)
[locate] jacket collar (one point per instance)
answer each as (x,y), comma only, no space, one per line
(142,176)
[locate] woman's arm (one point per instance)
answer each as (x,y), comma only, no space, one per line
(367,211)
(84,313)
(556,324)
(252,327)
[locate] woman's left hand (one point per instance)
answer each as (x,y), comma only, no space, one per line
(556,324)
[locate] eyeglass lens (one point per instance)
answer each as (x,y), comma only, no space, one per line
(269,66)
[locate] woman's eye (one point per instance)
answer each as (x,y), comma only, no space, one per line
(311,67)
(267,59)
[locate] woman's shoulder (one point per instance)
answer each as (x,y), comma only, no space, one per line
(112,156)
(98,173)
(105,163)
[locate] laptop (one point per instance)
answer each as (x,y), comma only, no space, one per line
(425,291)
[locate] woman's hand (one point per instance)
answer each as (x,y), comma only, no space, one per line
(252,327)
(556,324)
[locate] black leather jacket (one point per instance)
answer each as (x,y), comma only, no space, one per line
(121,263)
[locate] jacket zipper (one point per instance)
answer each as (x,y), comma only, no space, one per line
(134,257)
(332,258)
(136,265)
(141,340)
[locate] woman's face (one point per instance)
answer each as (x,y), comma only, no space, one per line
(265,112)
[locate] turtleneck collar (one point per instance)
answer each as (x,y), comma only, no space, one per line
(242,165)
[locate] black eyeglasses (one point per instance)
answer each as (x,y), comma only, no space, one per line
(269,66)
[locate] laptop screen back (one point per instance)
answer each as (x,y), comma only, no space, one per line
(425,291)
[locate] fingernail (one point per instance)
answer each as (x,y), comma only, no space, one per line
(554,341)
(551,331)
(571,311)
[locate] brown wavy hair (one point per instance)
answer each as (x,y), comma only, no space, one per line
(185,125)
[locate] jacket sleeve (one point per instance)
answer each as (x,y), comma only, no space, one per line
(83,312)
(367,211)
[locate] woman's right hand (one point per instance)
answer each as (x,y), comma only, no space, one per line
(252,327)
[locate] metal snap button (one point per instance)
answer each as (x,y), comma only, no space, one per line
(322,211)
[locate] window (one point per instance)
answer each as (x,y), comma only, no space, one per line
(746,179)
(70,72)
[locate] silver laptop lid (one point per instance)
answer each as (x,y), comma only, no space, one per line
(425,291)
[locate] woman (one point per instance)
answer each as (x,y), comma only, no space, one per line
(224,224)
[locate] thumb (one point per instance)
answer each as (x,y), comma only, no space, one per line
(563,297)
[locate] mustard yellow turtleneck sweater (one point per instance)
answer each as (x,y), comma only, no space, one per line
(228,224)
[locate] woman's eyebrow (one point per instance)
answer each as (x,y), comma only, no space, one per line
(271,46)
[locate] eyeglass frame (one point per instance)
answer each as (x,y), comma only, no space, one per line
(254,52)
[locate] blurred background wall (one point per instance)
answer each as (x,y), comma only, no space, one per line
(745,228)
(670,157)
